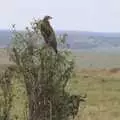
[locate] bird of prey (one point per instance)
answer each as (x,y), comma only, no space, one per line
(48,33)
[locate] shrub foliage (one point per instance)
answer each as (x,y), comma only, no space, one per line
(45,74)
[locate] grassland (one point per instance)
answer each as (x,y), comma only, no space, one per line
(103,89)
(95,75)
(97,60)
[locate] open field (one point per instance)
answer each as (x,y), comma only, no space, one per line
(103,95)
(102,88)
(95,75)
(97,60)
(83,59)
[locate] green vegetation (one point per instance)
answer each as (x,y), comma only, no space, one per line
(33,87)
(102,88)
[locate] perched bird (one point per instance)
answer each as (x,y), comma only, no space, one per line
(13,25)
(48,33)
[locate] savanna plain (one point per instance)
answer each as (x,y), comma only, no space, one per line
(96,74)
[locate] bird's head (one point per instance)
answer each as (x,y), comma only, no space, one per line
(46,18)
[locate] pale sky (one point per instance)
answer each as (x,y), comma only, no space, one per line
(86,15)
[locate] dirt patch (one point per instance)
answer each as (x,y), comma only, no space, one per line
(114,70)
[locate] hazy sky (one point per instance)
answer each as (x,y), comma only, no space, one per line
(87,15)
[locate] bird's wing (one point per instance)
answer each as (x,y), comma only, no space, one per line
(45,29)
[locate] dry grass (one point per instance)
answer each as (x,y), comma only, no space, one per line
(103,89)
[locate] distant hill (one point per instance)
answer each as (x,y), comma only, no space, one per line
(77,39)
(5,37)
(89,40)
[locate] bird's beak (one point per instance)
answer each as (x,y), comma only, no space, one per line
(51,17)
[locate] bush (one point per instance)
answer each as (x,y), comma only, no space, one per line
(45,75)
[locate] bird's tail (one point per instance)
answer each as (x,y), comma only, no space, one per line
(56,51)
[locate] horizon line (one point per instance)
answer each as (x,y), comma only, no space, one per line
(67,30)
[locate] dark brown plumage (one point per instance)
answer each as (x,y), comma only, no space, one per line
(48,33)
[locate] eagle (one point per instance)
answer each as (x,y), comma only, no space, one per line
(48,33)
